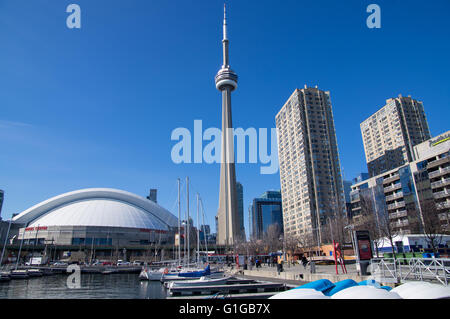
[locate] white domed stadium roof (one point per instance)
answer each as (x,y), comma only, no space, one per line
(98,207)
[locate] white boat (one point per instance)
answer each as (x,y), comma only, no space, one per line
(422,290)
(203,281)
(147,274)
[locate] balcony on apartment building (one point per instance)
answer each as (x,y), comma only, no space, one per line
(396,205)
(399,214)
(439,172)
(442,194)
(394,196)
(392,187)
(440,183)
(443,205)
(441,161)
(400,223)
(391,179)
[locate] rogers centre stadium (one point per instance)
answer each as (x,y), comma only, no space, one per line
(97,218)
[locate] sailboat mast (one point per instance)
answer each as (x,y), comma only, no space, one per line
(204,235)
(198,236)
(187,221)
(179,224)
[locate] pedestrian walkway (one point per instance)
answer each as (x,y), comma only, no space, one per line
(297,274)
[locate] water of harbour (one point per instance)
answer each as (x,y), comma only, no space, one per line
(93,286)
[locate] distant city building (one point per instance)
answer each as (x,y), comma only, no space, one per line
(266,211)
(153,195)
(347,190)
(401,191)
(206,229)
(361,177)
(240,206)
(204,232)
(2,196)
(310,174)
(390,134)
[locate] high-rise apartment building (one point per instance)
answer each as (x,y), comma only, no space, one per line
(310,174)
(401,192)
(390,134)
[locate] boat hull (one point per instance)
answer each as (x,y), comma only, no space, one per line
(199,282)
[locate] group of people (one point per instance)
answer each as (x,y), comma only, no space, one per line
(271,261)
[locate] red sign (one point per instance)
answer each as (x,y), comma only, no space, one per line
(36,228)
(365,251)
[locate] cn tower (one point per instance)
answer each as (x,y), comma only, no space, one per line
(227,214)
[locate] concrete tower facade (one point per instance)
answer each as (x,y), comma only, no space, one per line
(390,134)
(310,174)
(227,214)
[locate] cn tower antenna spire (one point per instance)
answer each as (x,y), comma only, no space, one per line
(225,22)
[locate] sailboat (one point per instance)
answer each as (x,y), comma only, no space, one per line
(174,270)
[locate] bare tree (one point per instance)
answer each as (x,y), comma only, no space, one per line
(272,238)
(291,244)
(375,219)
(432,225)
(306,242)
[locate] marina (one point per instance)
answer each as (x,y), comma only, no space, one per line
(119,282)
(124,283)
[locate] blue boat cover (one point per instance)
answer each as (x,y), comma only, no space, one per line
(386,287)
(340,285)
(369,282)
(200,273)
(319,285)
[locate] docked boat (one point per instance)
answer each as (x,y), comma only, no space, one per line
(108,271)
(4,276)
(147,274)
(19,274)
(47,272)
(192,274)
(34,273)
(203,281)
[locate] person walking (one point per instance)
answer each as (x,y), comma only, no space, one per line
(304,261)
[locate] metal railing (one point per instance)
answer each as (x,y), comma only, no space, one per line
(400,270)
(439,172)
(441,182)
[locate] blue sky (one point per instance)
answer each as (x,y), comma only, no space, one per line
(95,107)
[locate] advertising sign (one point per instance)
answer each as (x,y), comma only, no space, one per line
(363,244)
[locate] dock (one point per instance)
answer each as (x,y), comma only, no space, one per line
(87,269)
(29,272)
(255,295)
(229,289)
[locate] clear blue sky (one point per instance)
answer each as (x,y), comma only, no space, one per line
(95,107)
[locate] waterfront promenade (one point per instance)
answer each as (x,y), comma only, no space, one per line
(298,275)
